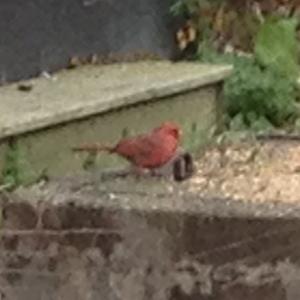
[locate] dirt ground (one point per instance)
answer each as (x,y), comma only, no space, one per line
(252,171)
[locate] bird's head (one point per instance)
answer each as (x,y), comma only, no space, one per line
(170,128)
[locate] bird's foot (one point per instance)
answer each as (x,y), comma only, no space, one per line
(158,173)
(139,172)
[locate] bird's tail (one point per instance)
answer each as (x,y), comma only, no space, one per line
(93,148)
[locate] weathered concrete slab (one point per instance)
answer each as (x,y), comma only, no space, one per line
(93,90)
(48,151)
(104,104)
(77,239)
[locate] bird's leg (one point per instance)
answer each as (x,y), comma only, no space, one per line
(180,166)
(155,173)
(167,169)
(177,154)
(138,172)
(112,173)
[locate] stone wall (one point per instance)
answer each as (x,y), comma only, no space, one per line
(70,251)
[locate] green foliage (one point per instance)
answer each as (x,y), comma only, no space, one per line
(276,46)
(193,10)
(262,91)
(259,93)
(255,97)
(11,174)
(181,7)
(16,170)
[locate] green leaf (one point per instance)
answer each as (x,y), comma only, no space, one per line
(276,46)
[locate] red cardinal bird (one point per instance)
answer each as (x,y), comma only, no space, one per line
(146,151)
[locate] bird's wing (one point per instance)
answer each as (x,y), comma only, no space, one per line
(147,151)
(141,147)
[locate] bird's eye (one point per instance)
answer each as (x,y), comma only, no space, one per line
(175,132)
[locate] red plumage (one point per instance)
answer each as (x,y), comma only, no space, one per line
(149,151)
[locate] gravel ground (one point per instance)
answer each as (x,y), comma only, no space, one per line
(242,179)
(256,171)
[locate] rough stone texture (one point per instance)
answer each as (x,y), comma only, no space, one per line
(100,244)
(97,89)
(41,36)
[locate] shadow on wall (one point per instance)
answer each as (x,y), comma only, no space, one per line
(37,36)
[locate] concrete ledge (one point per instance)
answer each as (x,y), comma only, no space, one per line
(93,90)
(74,237)
(103,103)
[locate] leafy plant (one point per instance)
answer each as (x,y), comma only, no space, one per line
(262,90)
(276,46)
(256,93)
(181,7)
(11,173)
(255,97)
